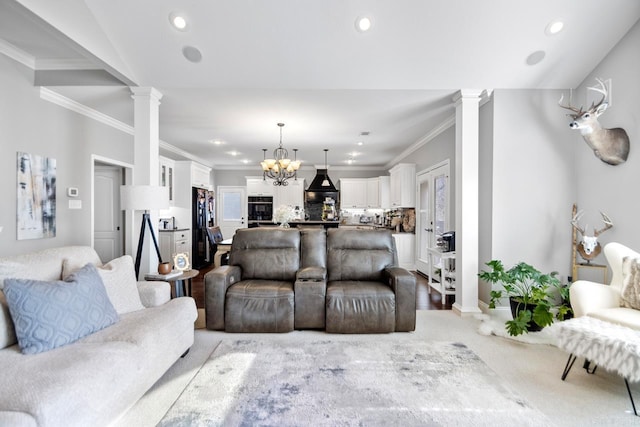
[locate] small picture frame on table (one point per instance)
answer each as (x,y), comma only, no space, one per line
(181,261)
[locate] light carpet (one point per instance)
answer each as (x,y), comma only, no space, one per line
(348,383)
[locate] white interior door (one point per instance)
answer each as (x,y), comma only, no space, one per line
(433,212)
(107,231)
(232,210)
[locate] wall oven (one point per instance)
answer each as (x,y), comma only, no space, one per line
(260,208)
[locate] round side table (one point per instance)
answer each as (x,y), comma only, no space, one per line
(182,283)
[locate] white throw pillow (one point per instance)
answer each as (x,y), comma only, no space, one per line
(630,295)
(119,279)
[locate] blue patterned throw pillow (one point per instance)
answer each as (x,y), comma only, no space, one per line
(47,315)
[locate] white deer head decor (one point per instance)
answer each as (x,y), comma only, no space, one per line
(609,145)
(589,247)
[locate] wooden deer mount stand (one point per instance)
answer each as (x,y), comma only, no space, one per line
(586,246)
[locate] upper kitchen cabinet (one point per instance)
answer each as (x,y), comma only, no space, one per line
(189,174)
(383,191)
(403,185)
(291,195)
(364,193)
(353,193)
(200,176)
(258,186)
(167,177)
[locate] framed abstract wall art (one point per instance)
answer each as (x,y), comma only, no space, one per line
(36,196)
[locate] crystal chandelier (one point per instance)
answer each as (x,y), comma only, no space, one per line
(280,168)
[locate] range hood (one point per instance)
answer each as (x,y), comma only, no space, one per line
(316,184)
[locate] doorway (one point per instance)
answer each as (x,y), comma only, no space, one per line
(232,210)
(108,218)
(108,223)
(433,194)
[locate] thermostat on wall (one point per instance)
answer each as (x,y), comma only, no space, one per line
(72,192)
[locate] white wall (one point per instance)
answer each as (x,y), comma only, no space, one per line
(442,147)
(485,193)
(602,187)
(533,188)
(29,124)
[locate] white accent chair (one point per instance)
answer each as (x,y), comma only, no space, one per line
(602,301)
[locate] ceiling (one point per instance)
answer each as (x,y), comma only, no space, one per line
(303,63)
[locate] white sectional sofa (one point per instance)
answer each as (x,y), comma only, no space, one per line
(96,379)
(603,301)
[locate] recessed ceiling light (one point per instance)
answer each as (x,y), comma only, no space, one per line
(216,142)
(360,143)
(178,21)
(554,27)
(364,23)
(536,57)
(234,153)
(192,54)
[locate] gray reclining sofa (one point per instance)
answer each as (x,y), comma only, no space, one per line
(341,281)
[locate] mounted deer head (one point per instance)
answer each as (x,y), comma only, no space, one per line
(609,145)
(589,247)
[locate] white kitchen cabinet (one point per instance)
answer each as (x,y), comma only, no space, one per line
(189,174)
(406,248)
(364,193)
(174,242)
(167,177)
(200,176)
(257,186)
(353,193)
(383,183)
(373,192)
(290,195)
(403,185)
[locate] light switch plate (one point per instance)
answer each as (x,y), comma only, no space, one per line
(75,204)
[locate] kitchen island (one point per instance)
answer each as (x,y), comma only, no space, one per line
(298,223)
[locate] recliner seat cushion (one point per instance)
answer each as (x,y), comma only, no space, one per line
(259,306)
(360,307)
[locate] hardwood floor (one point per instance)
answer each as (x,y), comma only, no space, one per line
(424,299)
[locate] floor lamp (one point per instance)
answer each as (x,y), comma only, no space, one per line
(144,198)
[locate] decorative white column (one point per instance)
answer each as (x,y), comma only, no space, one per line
(146,166)
(467,103)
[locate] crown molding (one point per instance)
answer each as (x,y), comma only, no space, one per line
(17,54)
(180,152)
(256,168)
(65,64)
(444,125)
(61,100)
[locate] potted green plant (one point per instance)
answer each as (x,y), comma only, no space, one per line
(564,309)
(530,292)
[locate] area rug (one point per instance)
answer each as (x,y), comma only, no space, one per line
(348,383)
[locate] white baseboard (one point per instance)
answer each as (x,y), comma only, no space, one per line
(484,307)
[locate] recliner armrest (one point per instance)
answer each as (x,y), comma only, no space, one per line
(312,273)
(587,297)
(403,284)
(216,283)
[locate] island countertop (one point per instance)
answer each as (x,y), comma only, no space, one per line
(325,224)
